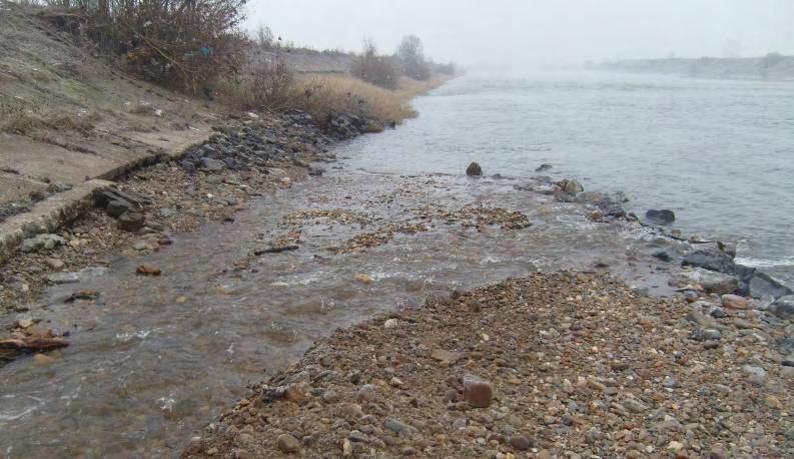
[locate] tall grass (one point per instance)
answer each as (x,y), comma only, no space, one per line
(327,95)
(323,95)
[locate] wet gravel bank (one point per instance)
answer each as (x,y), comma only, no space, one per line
(552,365)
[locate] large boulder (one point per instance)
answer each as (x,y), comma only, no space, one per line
(714,282)
(660,217)
(761,284)
(474,170)
(714,260)
(783,307)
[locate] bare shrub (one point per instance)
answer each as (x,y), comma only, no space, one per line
(378,70)
(72,122)
(16,119)
(181,44)
(267,85)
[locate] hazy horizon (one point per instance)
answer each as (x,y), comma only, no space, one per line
(512,33)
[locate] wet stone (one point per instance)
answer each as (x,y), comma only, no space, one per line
(474,170)
(660,217)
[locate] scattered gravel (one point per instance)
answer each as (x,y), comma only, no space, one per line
(552,365)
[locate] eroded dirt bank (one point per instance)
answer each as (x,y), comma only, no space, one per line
(551,365)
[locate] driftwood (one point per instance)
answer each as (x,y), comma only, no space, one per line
(33,344)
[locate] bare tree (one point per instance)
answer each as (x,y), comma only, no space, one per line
(412,57)
(378,70)
(264,37)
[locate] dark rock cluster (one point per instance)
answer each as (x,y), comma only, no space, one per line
(256,143)
(125,207)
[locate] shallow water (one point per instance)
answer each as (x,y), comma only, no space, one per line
(720,153)
(159,357)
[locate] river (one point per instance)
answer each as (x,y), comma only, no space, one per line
(720,153)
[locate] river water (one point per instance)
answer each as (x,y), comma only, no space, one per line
(155,359)
(720,153)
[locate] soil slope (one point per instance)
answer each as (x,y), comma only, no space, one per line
(67,115)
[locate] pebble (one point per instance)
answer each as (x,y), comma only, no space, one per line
(706,334)
(399,427)
(42,359)
(521,442)
(54,263)
(364,278)
(358,436)
(287,443)
(367,393)
(734,302)
(756,375)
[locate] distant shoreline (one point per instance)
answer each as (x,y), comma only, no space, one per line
(772,67)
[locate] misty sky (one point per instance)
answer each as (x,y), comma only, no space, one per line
(532,32)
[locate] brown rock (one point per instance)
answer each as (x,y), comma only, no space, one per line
(734,302)
(148,270)
(477,391)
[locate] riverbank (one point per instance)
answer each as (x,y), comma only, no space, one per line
(544,366)
(772,67)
